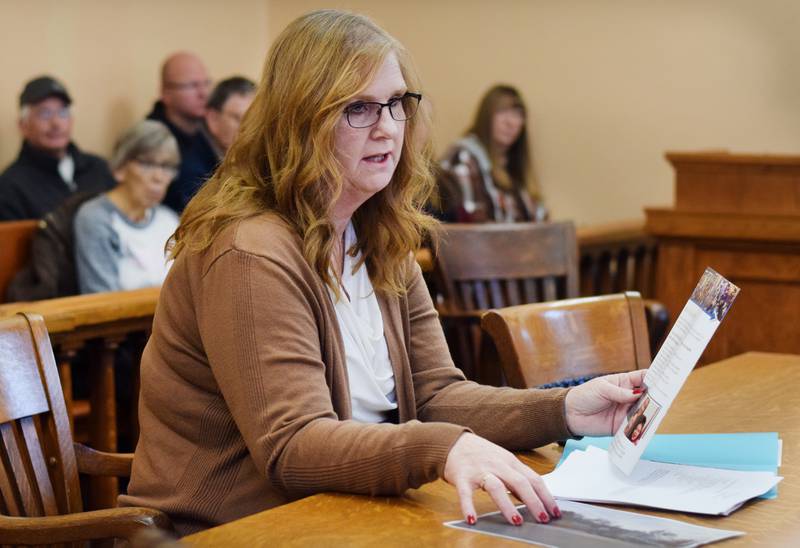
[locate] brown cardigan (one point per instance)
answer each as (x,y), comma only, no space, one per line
(245,402)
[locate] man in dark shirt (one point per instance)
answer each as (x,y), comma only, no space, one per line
(49,168)
(184,91)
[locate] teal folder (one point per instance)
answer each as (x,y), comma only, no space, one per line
(755,451)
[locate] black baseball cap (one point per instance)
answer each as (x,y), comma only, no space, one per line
(41,88)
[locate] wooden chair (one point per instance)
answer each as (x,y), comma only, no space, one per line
(545,342)
(483,266)
(40,497)
(15,244)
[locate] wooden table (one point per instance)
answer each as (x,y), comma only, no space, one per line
(750,392)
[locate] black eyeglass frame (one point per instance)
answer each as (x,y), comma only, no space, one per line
(389,104)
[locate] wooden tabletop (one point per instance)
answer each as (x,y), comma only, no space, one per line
(69,313)
(754,392)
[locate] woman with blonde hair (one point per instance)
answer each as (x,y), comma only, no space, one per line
(486,175)
(295,348)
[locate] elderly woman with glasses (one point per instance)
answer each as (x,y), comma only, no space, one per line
(120,235)
(295,348)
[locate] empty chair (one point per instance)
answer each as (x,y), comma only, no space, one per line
(40,497)
(546,342)
(485,266)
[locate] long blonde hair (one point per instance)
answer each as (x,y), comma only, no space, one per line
(283,157)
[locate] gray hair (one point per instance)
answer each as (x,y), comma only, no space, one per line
(144,140)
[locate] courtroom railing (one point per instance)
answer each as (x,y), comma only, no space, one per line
(86,332)
(617,257)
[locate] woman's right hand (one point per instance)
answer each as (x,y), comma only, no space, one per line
(475,463)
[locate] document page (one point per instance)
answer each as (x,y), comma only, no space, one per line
(589,477)
(677,357)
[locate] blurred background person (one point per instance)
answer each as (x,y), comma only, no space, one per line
(486,175)
(229,100)
(49,167)
(185,87)
(120,235)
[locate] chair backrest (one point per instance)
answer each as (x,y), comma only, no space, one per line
(38,473)
(15,245)
(545,342)
(482,266)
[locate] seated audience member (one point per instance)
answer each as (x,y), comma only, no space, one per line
(49,167)
(120,235)
(225,109)
(184,92)
(295,348)
(50,271)
(486,176)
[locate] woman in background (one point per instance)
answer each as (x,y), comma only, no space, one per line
(120,235)
(486,175)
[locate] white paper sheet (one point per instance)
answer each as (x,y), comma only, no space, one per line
(589,476)
(677,357)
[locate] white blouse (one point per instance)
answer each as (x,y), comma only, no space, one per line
(372,387)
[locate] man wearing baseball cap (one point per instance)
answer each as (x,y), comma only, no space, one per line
(49,168)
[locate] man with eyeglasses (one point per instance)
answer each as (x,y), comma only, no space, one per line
(225,109)
(185,86)
(49,168)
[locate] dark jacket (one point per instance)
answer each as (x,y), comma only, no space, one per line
(51,272)
(31,186)
(198,161)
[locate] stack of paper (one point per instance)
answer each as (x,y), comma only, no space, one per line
(589,476)
(747,451)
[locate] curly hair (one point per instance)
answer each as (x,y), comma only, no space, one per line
(283,157)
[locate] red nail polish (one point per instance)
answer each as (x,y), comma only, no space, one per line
(543,517)
(557,512)
(471,520)
(516,520)
(637,391)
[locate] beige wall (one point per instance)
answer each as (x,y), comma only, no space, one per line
(611,84)
(108,54)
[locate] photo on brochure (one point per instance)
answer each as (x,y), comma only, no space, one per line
(641,417)
(714,294)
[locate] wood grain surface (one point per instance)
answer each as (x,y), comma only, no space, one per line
(751,392)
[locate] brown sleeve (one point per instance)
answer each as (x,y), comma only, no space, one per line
(514,419)
(260,325)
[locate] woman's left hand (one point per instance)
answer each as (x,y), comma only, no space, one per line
(598,407)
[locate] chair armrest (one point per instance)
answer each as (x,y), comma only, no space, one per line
(97,524)
(100,463)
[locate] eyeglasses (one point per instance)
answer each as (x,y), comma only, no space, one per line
(363,114)
(185,86)
(47,114)
(149,167)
